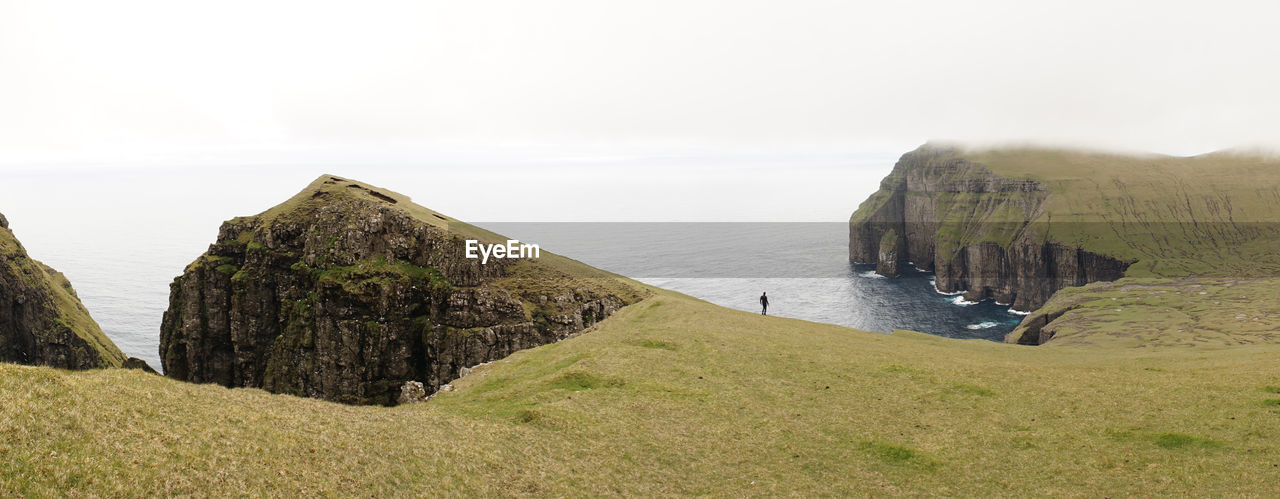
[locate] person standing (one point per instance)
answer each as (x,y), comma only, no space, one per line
(764,303)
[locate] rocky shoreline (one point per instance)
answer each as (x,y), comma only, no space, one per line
(981,234)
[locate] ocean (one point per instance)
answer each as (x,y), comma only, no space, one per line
(121,235)
(803,267)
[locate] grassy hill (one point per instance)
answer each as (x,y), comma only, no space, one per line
(677,396)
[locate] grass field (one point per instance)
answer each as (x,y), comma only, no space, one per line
(677,396)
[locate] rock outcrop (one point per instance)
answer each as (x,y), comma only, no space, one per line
(139,364)
(888,258)
(42,321)
(346,292)
(980,233)
(412,392)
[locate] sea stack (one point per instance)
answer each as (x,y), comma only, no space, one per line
(346,292)
(887,257)
(42,321)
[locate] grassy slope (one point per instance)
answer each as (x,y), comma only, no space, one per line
(72,312)
(674,395)
(1151,312)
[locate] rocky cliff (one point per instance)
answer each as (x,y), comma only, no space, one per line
(980,233)
(346,292)
(42,321)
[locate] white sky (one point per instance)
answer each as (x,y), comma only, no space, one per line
(174,82)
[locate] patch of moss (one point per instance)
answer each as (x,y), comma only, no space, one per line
(379,269)
(657,344)
(576,381)
(896,454)
(973,389)
(1181,440)
(901,369)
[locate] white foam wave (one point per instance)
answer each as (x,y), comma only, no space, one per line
(934,283)
(1019,312)
(870,274)
(959,300)
(981,325)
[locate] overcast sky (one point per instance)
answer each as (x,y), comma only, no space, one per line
(129,81)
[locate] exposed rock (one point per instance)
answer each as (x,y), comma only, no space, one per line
(972,228)
(139,364)
(887,258)
(42,321)
(345,292)
(412,392)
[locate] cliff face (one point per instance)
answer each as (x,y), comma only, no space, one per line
(42,321)
(980,233)
(346,292)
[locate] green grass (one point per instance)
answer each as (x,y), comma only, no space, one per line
(1180,440)
(896,454)
(648,343)
(743,405)
(1203,312)
(377,268)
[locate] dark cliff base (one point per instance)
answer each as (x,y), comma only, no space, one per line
(346,292)
(975,230)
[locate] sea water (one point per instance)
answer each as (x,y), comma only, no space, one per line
(803,267)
